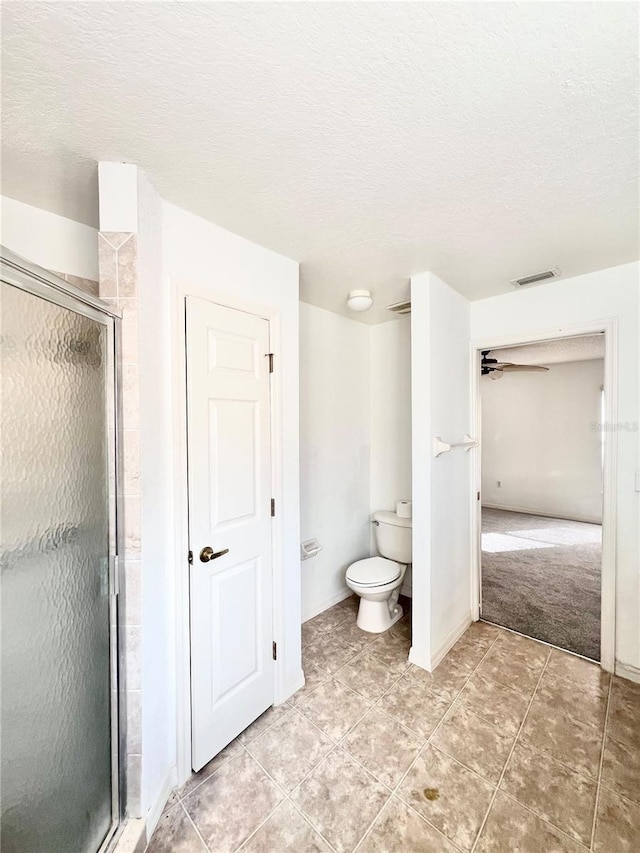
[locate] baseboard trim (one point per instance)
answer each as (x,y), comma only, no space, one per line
(584,519)
(450,640)
(291,687)
(416,661)
(155,812)
(346,592)
(626,670)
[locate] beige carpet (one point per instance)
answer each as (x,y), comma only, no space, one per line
(541,577)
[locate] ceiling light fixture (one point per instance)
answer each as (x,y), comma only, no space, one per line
(359,300)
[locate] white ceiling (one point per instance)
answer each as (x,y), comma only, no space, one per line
(369,141)
(582,348)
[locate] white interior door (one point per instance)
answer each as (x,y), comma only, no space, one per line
(230,514)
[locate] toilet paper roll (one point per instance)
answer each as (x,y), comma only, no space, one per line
(403,509)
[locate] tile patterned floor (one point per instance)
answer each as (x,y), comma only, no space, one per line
(508,745)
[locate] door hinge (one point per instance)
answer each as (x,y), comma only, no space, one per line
(478,496)
(274,650)
(270,357)
(273,507)
(190,557)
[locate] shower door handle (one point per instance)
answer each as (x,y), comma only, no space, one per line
(207,554)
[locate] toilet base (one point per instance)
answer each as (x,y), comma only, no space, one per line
(375,616)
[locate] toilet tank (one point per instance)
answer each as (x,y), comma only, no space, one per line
(393,536)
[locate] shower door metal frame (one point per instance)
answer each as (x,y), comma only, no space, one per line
(20,273)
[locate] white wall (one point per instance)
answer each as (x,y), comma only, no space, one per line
(612,293)
(51,241)
(540,441)
(179,254)
(128,203)
(355,441)
(335,423)
(391,418)
(157,537)
(441,487)
(390,413)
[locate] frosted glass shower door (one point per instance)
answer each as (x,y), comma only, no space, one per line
(56,714)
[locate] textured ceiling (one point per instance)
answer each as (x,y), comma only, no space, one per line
(369,141)
(582,348)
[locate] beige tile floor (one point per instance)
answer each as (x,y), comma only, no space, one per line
(508,746)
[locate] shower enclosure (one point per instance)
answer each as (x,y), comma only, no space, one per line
(59,675)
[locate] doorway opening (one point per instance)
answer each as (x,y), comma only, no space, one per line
(545,491)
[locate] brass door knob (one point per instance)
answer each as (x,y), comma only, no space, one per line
(207,554)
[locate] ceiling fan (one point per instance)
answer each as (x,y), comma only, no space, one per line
(495,369)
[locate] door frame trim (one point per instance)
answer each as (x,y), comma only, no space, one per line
(609,327)
(180,291)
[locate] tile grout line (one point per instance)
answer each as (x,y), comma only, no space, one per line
(617,794)
(608,786)
(286,799)
(323,631)
(312,825)
(424,747)
(286,795)
(544,820)
(516,737)
(117,266)
(338,744)
(366,649)
(392,792)
(335,746)
(511,751)
(542,642)
(244,745)
(192,822)
(328,676)
(600,765)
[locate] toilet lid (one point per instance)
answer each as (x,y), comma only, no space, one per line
(375,571)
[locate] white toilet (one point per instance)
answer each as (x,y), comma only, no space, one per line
(377,580)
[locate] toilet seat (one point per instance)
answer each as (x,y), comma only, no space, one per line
(374,571)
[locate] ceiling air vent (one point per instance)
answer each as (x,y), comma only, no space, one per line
(400,307)
(535,278)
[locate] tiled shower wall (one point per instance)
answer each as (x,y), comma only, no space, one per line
(117,255)
(87,284)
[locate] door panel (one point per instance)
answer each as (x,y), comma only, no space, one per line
(234,455)
(239,583)
(229,511)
